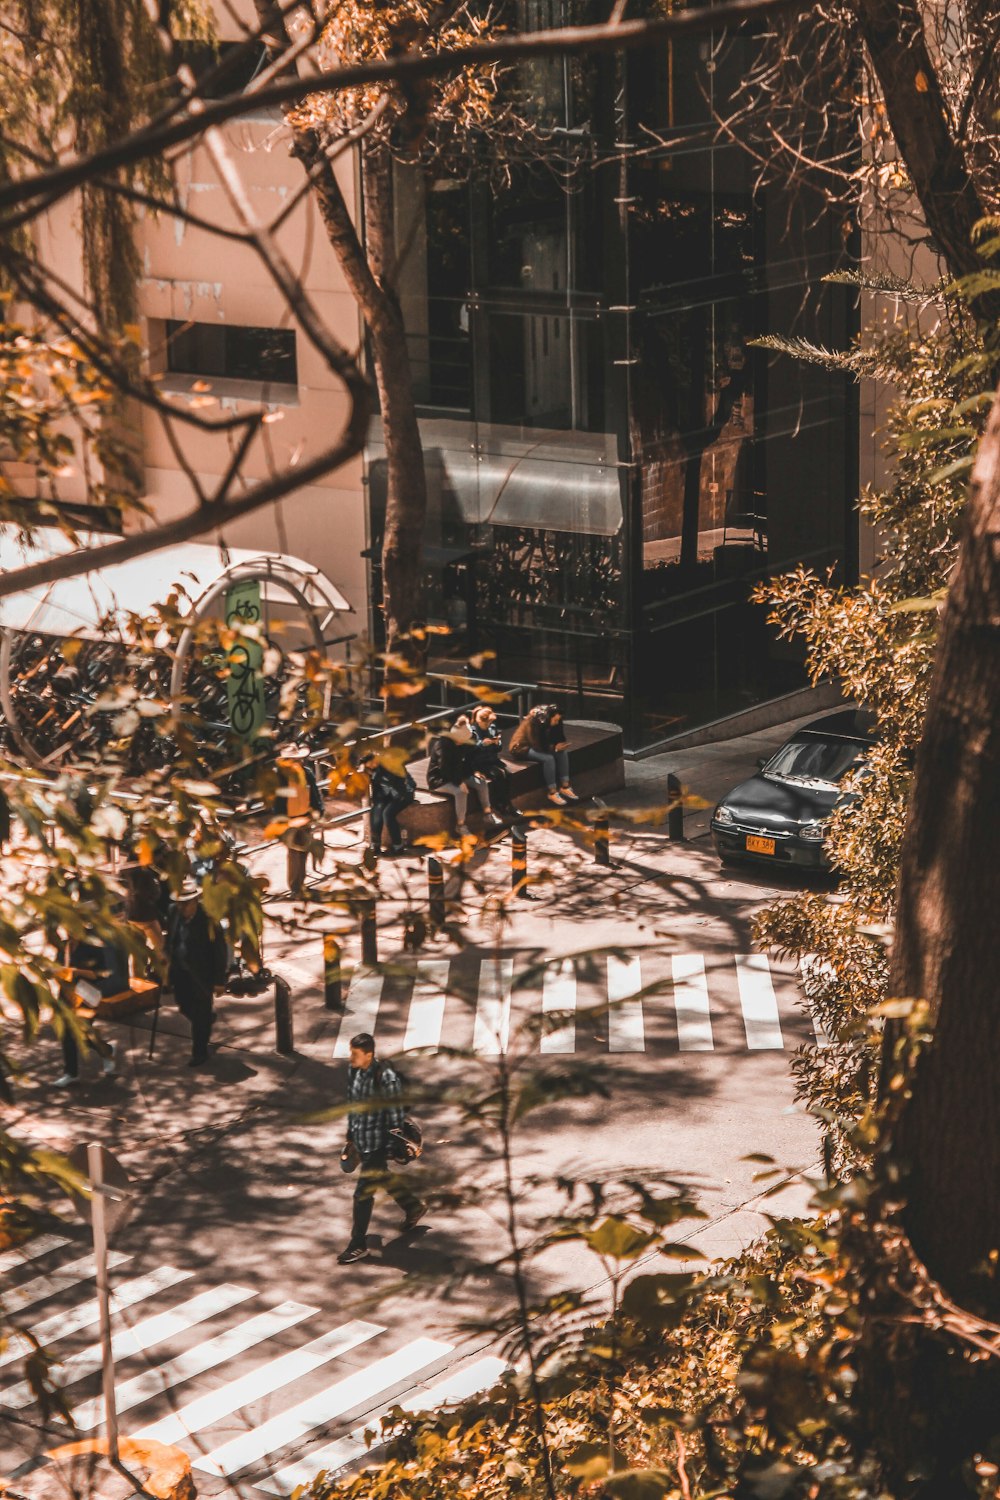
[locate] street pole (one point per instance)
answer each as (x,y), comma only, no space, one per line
(333,998)
(95,1172)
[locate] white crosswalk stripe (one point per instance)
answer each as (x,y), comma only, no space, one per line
(638,995)
(758,1002)
(202,1411)
(626,1029)
(426,1018)
(492,1030)
(195,1361)
(43,1244)
(469,1381)
(361,1004)
(135,1340)
(55,1282)
(813,970)
(559,997)
(353,1390)
(124,1294)
(694,1019)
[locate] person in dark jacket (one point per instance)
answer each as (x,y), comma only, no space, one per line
(450,770)
(197,962)
(541,737)
(485,757)
(389,793)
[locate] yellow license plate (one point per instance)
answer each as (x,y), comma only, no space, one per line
(756,845)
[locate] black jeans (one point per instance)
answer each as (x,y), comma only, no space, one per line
(387,813)
(200,1011)
(373,1175)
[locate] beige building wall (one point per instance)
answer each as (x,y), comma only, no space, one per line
(190,274)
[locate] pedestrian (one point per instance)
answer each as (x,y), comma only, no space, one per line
(369,1140)
(541,738)
(450,770)
(83,984)
(389,794)
(485,756)
(196,958)
(143,903)
(302,798)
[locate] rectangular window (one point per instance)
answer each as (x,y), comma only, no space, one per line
(230,352)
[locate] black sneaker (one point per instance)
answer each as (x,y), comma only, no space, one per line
(414,1216)
(352,1253)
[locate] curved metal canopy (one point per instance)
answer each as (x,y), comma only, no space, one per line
(96,606)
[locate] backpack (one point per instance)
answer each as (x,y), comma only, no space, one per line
(406,1143)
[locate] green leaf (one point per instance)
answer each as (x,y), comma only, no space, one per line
(588,1462)
(640,1484)
(619,1239)
(948,471)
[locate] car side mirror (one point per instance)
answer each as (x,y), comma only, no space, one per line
(761,762)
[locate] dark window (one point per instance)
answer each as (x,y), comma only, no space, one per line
(231,352)
(223,68)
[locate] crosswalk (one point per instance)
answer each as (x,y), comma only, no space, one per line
(264,1393)
(622,1004)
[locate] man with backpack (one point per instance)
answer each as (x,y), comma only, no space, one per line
(377,1133)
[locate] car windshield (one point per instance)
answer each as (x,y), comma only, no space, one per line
(817,759)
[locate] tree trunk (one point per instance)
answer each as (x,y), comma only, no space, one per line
(948,909)
(925,136)
(406,480)
(930,1407)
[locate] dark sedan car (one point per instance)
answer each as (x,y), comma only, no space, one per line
(780,815)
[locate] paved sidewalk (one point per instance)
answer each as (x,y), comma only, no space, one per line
(161,1116)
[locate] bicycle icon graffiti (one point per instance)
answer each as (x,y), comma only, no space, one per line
(245,688)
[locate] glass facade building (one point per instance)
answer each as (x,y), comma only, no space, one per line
(611,466)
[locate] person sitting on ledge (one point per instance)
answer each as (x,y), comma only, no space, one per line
(541,738)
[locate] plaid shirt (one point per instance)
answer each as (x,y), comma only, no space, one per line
(369,1128)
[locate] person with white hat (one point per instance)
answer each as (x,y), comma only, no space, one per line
(196,952)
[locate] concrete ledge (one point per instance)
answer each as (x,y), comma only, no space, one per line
(596,764)
(83,1468)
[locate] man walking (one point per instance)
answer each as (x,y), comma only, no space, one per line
(197,957)
(369,1132)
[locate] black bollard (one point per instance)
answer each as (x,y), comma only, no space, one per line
(369,933)
(675,817)
(284,1032)
(518,861)
(602,852)
(435,893)
(333,994)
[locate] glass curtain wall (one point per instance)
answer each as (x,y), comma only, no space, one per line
(746,463)
(611,466)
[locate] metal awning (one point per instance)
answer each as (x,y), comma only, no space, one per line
(486,474)
(97,605)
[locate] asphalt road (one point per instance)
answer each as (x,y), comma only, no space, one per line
(239,1336)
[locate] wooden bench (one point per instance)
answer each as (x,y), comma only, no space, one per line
(142,994)
(596,766)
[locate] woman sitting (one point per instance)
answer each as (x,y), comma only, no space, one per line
(450,770)
(388,795)
(541,737)
(485,758)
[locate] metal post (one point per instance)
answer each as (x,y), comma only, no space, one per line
(284,1031)
(435,893)
(369,933)
(518,861)
(96,1174)
(333,993)
(602,853)
(675,817)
